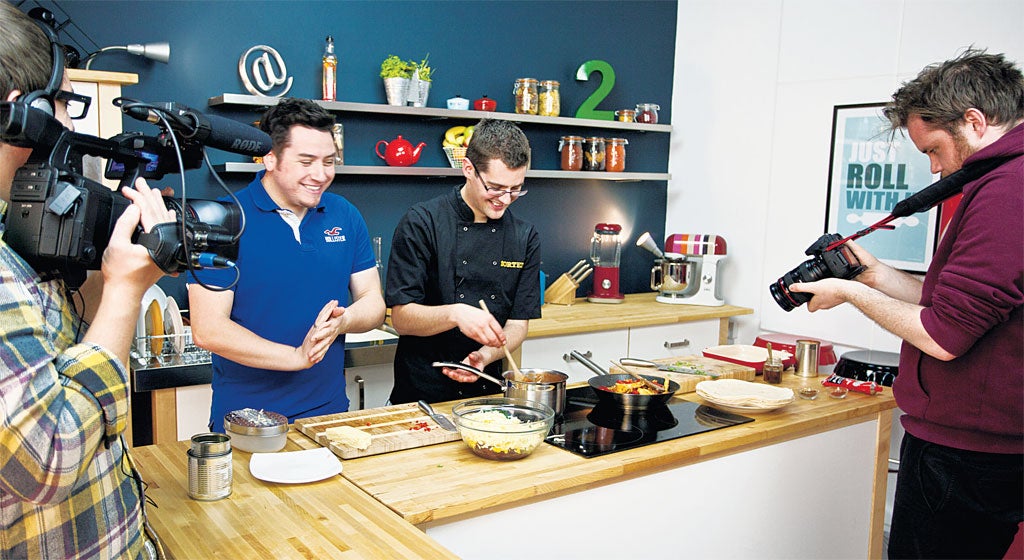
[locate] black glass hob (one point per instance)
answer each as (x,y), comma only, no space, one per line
(589,430)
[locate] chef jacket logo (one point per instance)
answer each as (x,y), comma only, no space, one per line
(333,235)
(268,71)
(511,264)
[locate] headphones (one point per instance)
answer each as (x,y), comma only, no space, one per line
(44,99)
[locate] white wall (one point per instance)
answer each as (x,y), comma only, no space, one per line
(755,84)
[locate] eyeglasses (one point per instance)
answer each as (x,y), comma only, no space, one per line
(78,105)
(498,193)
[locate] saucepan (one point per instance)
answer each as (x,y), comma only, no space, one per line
(545,386)
(627,402)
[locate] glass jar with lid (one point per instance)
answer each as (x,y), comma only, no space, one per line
(615,154)
(550,104)
(593,154)
(571,148)
(647,113)
(525,91)
(625,115)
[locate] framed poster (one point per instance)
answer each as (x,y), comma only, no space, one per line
(870,170)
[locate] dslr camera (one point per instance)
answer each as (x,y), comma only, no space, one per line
(60,222)
(839,262)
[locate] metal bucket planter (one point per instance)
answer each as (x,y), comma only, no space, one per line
(397,90)
(418,92)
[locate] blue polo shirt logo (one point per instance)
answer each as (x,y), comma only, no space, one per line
(333,235)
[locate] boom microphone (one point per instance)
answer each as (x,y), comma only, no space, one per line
(210,130)
(951,185)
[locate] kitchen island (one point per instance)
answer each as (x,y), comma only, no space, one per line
(807,480)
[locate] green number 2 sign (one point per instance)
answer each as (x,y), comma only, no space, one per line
(588,109)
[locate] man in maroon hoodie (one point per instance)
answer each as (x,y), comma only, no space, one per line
(960,489)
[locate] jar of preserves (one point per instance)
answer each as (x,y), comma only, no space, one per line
(615,154)
(525,90)
(593,154)
(647,113)
(572,152)
(550,103)
(625,115)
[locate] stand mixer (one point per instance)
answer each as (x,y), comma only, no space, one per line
(687,271)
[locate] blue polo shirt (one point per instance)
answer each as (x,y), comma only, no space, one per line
(282,286)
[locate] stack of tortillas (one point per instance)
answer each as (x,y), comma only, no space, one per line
(744,395)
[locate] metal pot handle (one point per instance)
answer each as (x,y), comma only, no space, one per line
(588,363)
(469,368)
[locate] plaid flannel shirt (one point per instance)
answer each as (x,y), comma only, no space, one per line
(65,489)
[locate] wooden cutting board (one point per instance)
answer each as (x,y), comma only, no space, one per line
(688,382)
(393,428)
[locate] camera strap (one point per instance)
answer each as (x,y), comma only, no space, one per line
(928,197)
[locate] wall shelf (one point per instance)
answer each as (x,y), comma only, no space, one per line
(257,101)
(244,167)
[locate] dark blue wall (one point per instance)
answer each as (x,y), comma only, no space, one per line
(475,47)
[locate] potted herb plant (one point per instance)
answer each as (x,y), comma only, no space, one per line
(396,74)
(419,84)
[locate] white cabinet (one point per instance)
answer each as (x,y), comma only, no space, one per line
(659,341)
(552,352)
(669,341)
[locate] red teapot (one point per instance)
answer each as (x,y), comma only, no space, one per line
(399,152)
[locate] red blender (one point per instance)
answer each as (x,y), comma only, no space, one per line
(605,250)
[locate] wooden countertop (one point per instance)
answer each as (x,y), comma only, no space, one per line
(327,519)
(447,481)
(638,310)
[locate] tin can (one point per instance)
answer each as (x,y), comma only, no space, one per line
(209,467)
(807,358)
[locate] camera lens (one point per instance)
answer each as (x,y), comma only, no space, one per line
(810,270)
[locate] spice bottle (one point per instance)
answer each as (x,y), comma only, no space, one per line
(572,152)
(330,78)
(593,154)
(772,371)
(550,101)
(615,154)
(625,115)
(525,90)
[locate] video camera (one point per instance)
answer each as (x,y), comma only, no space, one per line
(61,221)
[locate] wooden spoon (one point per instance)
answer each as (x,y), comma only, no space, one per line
(518,375)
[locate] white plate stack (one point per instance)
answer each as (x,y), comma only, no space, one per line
(744,396)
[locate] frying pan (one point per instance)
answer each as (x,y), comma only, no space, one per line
(626,402)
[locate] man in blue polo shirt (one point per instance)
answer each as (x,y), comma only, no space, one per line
(277,335)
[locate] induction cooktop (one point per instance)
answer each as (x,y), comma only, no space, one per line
(589,430)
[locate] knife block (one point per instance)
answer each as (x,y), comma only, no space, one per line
(562,291)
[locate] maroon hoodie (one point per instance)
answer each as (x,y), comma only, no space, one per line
(972,298)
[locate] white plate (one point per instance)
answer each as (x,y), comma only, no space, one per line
(743,409)
(174,327)
(744,396)
(295,467)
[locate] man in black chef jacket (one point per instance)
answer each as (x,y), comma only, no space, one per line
(449,253)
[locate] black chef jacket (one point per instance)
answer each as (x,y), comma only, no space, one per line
(439,257)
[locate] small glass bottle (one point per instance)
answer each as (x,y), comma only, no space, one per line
(330,65)
(525,90)
(593,154)
(550,104)
(615,154)
(571,148)
(772,371)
